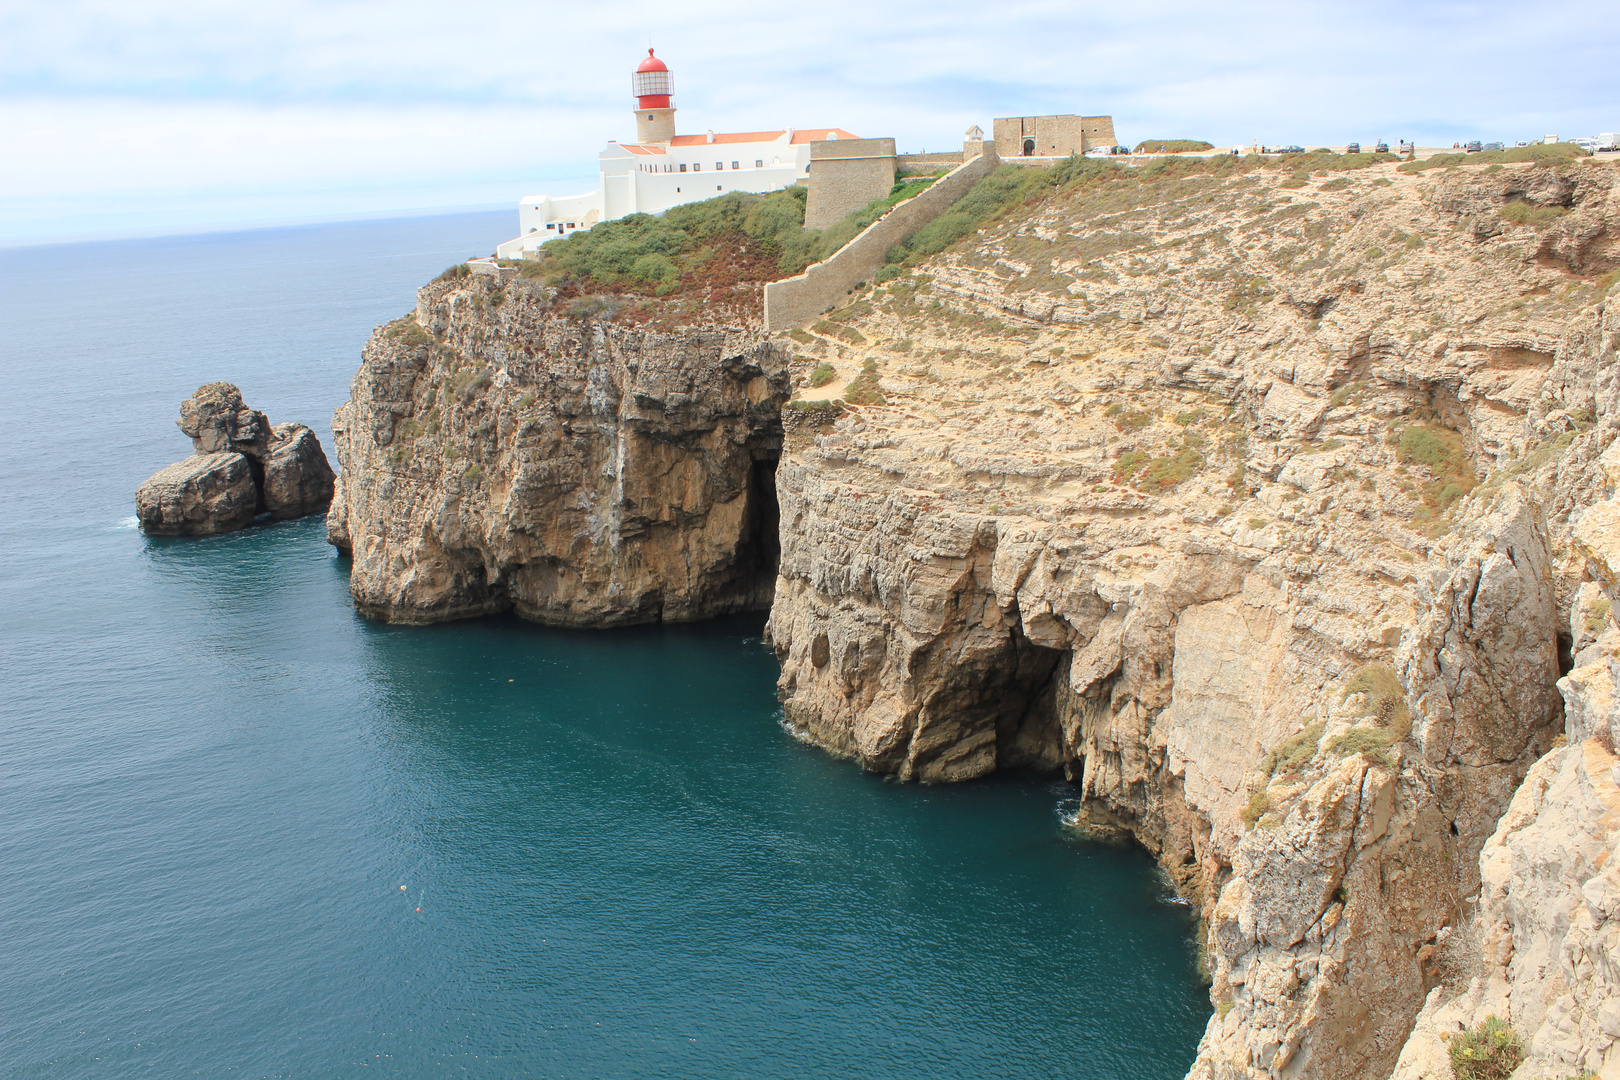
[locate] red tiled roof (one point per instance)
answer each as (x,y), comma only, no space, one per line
(804,135)
(727,137)
(637,148)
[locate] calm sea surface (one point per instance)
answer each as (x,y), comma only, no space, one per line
(245,832)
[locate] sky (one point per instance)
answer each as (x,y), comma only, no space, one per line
(140,117)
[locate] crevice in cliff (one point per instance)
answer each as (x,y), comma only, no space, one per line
(760,549)
(1028,735)
(256,467)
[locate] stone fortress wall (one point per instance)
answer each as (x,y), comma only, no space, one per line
(799,299)
(931,163)
(845,175)
(1051,136)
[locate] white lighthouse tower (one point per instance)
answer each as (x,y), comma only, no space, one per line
(662,169)
(655,116)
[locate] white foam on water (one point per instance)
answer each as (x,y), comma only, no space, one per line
(131,522)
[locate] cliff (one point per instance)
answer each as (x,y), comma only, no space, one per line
(1266,508)
(585,462)
(1249,507)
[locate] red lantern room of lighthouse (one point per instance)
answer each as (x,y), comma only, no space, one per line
(655,116)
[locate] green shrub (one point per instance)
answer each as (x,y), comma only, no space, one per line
(1005,187)
(1172,146)
(1443,453)
(1385,701)
(1597,619)
(454,273)
(1519,212)
(1539,152)
(1361,740)
(843,333)
(1128,463)
(1258,523)
(655,267)
(1164,473)
(1338,183)
(823,409)
(822,374)
(1294,752)
(863,388)
(1259,803)
(407,331)
(1491,1051)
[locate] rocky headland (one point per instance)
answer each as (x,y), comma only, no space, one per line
(241,467)
(1272,508)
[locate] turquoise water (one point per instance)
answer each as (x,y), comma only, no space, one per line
(246,832)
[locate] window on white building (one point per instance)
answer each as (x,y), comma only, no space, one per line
(734,165)
(719,164)
(697,166)
(759,163)
(683,167)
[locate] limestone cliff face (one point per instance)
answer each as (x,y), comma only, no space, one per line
(1250,508)
(1541,951)
(503,449)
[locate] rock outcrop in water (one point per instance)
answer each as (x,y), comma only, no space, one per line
(507,449)
(1258,507)
(242,467)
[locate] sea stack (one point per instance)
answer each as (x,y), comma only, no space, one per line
(241,467)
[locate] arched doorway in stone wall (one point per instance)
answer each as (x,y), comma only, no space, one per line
(1029,147)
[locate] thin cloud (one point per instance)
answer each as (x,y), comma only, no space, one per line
(409,99)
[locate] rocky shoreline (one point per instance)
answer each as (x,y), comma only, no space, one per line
(1273,512)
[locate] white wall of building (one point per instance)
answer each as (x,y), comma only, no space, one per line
(650,180)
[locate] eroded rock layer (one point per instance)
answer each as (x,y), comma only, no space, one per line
(504,449)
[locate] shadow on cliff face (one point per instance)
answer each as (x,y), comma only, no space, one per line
(761,548)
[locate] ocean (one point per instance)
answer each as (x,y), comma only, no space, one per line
(243,831)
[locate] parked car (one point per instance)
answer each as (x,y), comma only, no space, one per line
(1122,149)
(1290,150)
(1381,148)
(1493,146)
(1353,148)
(1473,147)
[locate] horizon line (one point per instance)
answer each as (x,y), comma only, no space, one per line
(260,225)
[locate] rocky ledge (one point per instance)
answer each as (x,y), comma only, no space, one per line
(241,468)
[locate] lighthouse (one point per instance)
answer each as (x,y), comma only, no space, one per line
(655,116)
(662,169)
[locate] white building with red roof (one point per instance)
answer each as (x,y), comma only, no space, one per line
(662,169)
